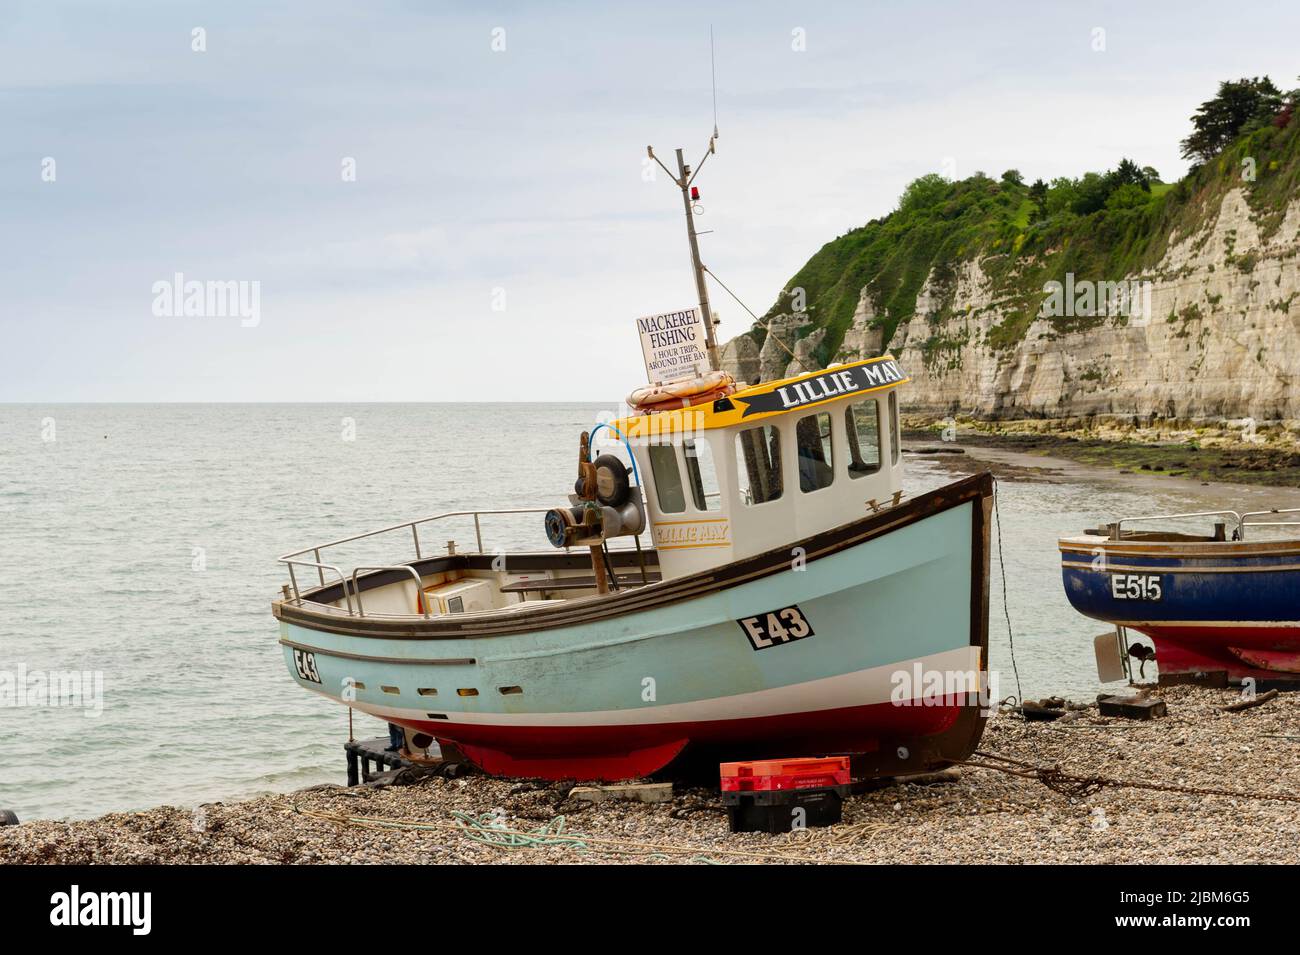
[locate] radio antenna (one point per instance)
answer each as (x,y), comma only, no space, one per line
(713,72)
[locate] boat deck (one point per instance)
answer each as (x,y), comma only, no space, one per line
(470,577)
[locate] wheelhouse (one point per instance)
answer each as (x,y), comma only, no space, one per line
(769,464)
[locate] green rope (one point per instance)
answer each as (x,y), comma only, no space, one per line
(489,829)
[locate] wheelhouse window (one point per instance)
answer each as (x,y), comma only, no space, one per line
(812,435)
(701,475)
(862,425)
(895,440)
(668,479)
(758,460)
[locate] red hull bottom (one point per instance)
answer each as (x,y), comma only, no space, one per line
(612,752)
(1244,652)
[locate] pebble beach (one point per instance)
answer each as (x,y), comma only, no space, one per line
(975,815)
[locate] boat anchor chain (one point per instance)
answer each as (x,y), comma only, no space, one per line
(1078,787)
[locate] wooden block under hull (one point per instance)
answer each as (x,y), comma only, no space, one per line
(625,792)
(1132,707)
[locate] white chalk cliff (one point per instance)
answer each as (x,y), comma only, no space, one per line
(1221,339)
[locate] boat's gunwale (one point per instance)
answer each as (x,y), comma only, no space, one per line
(1091,543)
(978,487)
(1112,568)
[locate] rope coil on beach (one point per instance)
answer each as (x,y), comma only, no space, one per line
(490,830)
(1068,784)
(840,835)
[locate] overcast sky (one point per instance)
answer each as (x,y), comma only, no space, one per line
(499,238)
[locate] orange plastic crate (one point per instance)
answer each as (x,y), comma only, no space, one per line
(766,775)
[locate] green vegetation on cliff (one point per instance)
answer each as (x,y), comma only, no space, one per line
(1102,227)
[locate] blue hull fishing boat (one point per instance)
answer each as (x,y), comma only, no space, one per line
(1216,604)
(770,617)
(787,599)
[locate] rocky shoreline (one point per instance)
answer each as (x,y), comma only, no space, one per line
(980,816)
(1221,455)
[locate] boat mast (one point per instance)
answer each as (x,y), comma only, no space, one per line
(683,180)
(706,313)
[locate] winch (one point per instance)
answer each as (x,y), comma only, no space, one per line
(605,504)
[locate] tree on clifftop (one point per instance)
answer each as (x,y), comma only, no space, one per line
(1240,104)
(1127,173)
(922,193)
(1038,196)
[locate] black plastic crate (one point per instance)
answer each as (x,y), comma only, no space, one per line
(777,811)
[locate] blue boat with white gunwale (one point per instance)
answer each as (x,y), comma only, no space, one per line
(1222,602)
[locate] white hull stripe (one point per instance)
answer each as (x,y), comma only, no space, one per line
(860,688)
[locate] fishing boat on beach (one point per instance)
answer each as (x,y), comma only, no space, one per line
(1222,604)
(736,574)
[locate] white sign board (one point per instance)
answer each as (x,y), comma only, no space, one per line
(673,345)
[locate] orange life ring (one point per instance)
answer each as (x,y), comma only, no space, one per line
(682,394)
